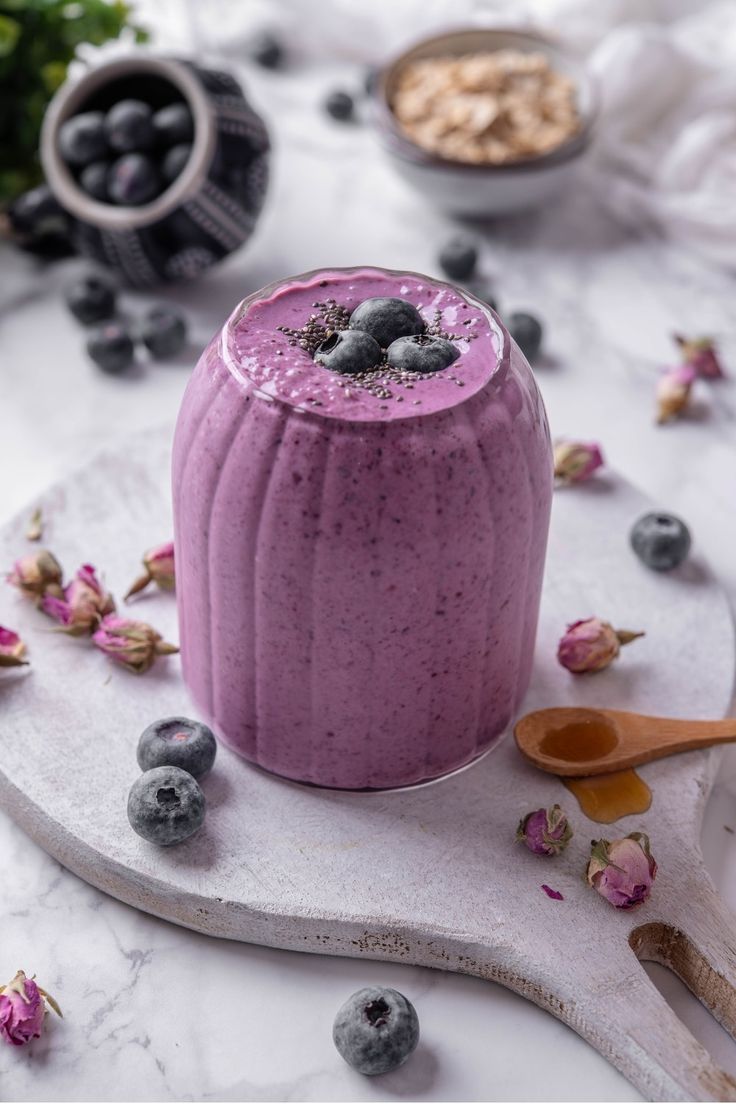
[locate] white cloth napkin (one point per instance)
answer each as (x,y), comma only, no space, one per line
(665,149)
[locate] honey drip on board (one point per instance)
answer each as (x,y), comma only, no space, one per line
(608,797)
(602,797)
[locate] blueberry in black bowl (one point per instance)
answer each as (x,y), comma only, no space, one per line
(376,1030)
(164,332)
(133,180)
(421,353)
(93,178)
(82,138)
(111,348)
(177,742)
(91,300)
(166,806)
(340,105)
(349,351)
(173,125)
(458,258)
(174,161)
(129,126)
(526,331)
(661,541)
(387,318)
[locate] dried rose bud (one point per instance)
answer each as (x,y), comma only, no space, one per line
(702,355)
(592,644)
(575,461)
(622,871)
(22,1009)
(673,391)
(37,574)
(159,568)
(134,644)
(82,605)
(12,649)
(545,832)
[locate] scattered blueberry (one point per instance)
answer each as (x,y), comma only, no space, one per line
(91,300)
(177,742)
(376,1030)
(458,258)
(39,225)
(82,138)
(422,353)
(174,161)
(163,332)
(349,351)
(129,126)
(661,541)
(386,319)
(340,105)
(166,805)
(133,179)
(173,124)
(526,331)
(93,179)
(266,50)
(111,348)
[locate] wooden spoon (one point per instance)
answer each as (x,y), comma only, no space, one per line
(576,742)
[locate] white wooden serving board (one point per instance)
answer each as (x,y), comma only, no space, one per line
(431,875)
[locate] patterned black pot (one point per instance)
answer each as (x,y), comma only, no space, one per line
(212,206)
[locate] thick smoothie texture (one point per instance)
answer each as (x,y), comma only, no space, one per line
(359,565)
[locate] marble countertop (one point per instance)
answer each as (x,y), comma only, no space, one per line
(154,1012)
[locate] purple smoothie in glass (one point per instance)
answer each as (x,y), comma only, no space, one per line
(359,567)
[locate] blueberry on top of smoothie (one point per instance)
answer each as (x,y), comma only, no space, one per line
(421,353)
(387,318)
(349,351)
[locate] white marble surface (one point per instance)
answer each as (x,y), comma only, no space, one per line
(157,1013)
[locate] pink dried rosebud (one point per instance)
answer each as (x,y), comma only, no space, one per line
(592,644)
(22,1009)
(83,604)
(575,461)
(134,644)
(702,355)
(37,574)
(622,871)
(673,391)
(545,832)
(159,568)
(12,649)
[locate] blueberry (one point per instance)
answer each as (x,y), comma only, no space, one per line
(82,138)
(387,319)
(349,351)
(266,50)
(166,805)
(177,742)
(163,332)
(90,300)
(111,348)
(458,258)
(174,161)
(340,105)
(422,353)
(661,541)
(526,331)
(173,124)
(133,179)
(129,126)
(376,1030)
(39,225)
(93,178)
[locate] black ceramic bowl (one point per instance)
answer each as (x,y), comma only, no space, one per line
(211,207)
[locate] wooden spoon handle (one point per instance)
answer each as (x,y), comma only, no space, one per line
(649,738)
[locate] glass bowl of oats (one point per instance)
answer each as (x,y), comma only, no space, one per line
(485,121)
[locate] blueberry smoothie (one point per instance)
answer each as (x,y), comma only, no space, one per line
(362,482)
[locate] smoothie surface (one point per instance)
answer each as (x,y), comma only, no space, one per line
(261,355)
